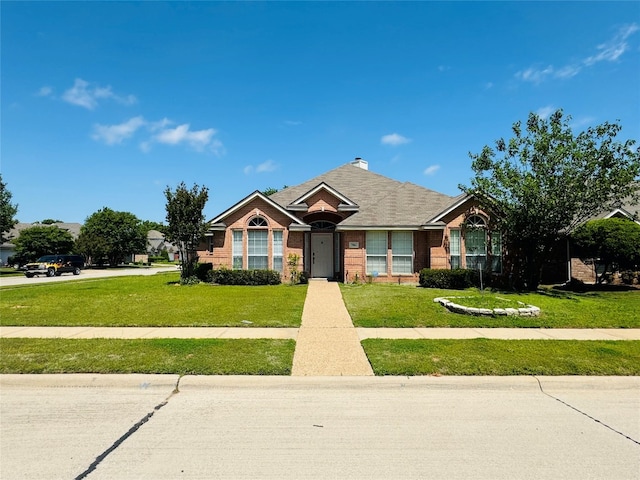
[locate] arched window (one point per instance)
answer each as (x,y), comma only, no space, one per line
(322,225)
(258,243)
(258,221)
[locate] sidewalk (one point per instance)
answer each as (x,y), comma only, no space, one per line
(293,333)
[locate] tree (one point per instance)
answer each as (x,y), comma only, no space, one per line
(7,211)
(271,190)
(50,221)
(151,225)
(39,240)
(186,224)
(111,234)
(544,181)
(614,243)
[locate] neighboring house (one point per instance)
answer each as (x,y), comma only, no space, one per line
(8,249)
(156,244)
(351,223)
(577,268)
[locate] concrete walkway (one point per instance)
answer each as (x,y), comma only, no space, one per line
(292,333)
(327,343)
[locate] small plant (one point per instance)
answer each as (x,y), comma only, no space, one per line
(457,279)
(292,262)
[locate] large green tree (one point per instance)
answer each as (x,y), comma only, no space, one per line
(546,180)
(614,243)
(7,211)
(39,240)
(186,223)
(111,234)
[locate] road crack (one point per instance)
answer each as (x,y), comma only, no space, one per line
(585,414)
(129,432)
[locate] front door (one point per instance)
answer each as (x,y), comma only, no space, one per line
(322,255)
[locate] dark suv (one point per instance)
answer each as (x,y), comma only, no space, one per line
(54,265)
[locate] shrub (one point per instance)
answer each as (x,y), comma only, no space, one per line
(225,276)
(202,271)
(457,279)
(192,280)
(628,277)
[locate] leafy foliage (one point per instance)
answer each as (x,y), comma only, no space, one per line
(545,181)
(36,241)
(457,279)
(186,224)
(7,211)
(111,234)
(225,276)
(615,242)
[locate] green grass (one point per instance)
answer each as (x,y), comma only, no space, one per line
(155,300)
(177,356)
(381,305)
(485,300)
(503,357)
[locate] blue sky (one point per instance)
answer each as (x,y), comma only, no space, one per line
(107,104)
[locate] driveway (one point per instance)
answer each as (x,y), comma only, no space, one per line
(143,427)
(87,273)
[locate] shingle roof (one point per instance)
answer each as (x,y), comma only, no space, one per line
(383,202)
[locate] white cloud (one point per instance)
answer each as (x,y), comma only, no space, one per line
(292,123)
(86,95)
(534,74)
(544,112)
(268,166)
(394,139)
(115,134)
(264,167)
(45,91)
(612,49)
(199,140)
(431,170)
(609,51)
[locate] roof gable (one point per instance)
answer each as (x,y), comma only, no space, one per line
(248,199)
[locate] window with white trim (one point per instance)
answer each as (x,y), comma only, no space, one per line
(376,252)
(277,250)
(454,248)
(496,251)
(475,243)
(401,252)
(237,249)
(257,249)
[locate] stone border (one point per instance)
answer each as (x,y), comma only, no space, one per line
(525,311)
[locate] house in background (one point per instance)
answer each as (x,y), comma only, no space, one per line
(8,249)
(577,268)
(156,244)
(351,223)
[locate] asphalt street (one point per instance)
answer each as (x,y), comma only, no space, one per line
(166,427)
(84,275)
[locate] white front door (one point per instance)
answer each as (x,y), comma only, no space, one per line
(322,255)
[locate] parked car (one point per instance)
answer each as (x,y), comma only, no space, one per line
(55,265)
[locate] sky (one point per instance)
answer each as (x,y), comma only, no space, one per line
(107,104)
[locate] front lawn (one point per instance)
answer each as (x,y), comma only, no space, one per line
(385,305)
(144,301)
(482,356)
(165,355)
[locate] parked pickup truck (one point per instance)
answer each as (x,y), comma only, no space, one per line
(55,265)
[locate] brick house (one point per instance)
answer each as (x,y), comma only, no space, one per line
(351,223)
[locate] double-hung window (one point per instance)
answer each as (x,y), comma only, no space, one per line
(496,251)
(277,250)
(257,249)
(376,252)
(476,243)
(401,252)
(454,248)
(237,249)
